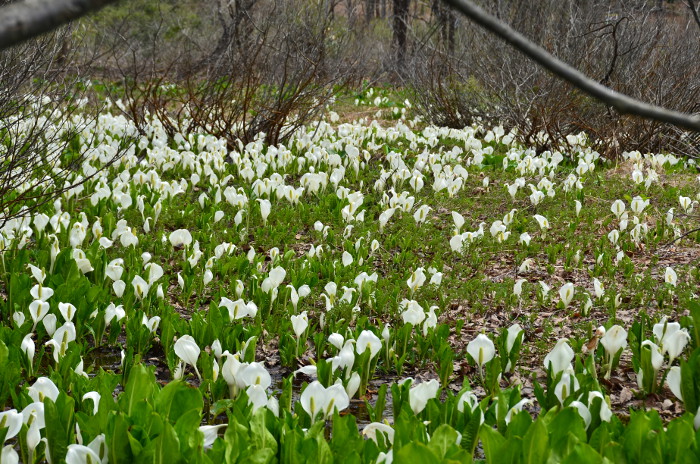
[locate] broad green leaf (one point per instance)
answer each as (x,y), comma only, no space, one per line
(324,454)
(536,443)
(407,429)
(261,438)
(216,454)
(167,446)
(236,440)
(140,445)
(262,456)
(519,424)
(414,453)
(694,307)
(139,388)
(639,440)
(177,398)
(376,411)
(443,438)
(493,443)
(583,454)
(615,452)
(470,433)
(118,439)
(690,389)
(345,435)
(187,432)
(56,435)
(600,437)
(290,441)
(679,438)
(565,430)
(4,353)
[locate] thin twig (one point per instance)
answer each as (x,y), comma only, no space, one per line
(681,237)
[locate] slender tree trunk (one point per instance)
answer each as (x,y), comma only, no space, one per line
(451,29)
(370,10)
(400,30)
(446,22)
(352,14)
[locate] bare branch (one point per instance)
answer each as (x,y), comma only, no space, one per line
(23,20)
(694,11)
(621,102)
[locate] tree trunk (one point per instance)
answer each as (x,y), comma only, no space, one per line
(446,22)
(400,31)
(370,10)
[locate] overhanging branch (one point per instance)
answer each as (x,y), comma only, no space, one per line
(693,11)
(622,103)
(26,19)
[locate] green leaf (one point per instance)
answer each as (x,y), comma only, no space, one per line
(136,445)
(407,429)
(290,440)
(519,424)
(503,406)
(324,455)
(493,443)
(176,399)
(187,430)
(118,439)
(614,452)
(415,452)
(536,443)
(565,430)
(583,454)
(56,434)
(4,353)
(443,438)
(140,388)
(470,433)
(377,410)
(261,438)
(640,440)
(167,446)
(679,438)
(345,435)
(694,307)
(690,388)
(600,437)
(236,440)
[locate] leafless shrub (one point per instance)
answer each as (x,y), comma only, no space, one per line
(273,67)
(447,95)
(627,46)
(40,144)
